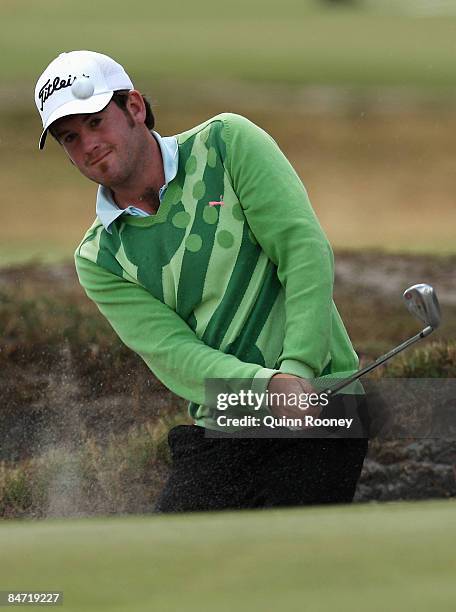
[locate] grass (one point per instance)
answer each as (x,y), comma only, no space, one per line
(394,556)
(299,42)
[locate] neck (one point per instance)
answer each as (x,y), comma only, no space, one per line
(142,188)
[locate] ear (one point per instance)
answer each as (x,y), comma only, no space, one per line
(136,106)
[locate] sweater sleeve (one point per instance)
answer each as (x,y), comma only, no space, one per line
(170,348)
(279,213)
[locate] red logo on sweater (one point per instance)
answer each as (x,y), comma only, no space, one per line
(217,203)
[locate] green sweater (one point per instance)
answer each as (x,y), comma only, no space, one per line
(240,289)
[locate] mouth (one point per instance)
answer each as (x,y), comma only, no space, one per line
(99,159)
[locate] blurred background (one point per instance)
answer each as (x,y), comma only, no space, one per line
(360,94)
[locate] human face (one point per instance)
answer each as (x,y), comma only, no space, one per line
(105,146)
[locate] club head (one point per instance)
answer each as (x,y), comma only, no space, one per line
(421,300)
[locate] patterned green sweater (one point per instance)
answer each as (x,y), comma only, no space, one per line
(238,289)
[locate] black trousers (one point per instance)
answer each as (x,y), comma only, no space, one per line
(235,473)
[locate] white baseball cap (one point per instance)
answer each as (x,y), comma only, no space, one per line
(77,82)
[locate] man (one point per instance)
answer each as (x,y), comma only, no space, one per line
(208,261)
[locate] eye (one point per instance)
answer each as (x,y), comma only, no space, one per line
(95,121)
(69,138)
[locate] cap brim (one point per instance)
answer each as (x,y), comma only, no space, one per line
(76,107)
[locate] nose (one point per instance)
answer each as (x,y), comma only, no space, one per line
(90,145)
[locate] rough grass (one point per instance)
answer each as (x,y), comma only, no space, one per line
(435,360)
(84,473)
(122,475)
(86,421)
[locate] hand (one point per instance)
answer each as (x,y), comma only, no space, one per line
(290,387)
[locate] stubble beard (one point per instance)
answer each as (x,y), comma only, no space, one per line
(128,169)
(125,165)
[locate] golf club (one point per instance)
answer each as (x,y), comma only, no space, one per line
(421,300)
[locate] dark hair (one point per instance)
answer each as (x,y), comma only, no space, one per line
(120,98)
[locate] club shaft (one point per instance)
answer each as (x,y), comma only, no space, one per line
(425,332)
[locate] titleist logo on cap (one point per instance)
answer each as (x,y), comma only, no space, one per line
(49,88)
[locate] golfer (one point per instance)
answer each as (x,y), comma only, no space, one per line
(207,259)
